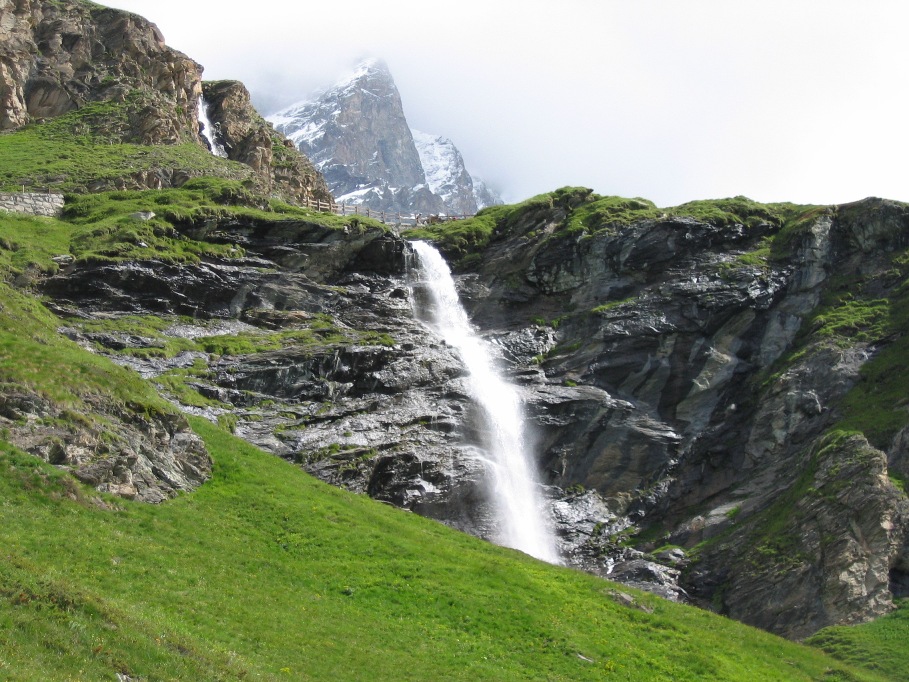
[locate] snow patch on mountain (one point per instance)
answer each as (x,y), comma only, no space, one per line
(440,158)
(446,174)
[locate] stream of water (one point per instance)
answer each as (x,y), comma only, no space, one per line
(515,491)
(208,130)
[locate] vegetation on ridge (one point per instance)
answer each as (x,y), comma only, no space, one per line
(579,212)
(82,151)
(107,226)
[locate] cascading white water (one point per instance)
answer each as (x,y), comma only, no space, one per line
(208,130)
(516,491)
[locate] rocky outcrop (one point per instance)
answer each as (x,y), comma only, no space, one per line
(357,391)
(58,56)
(705,364)
(358,137)
(829,549)
(137,454)
(247,138)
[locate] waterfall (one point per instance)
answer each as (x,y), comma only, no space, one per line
(515,490)
(208,130)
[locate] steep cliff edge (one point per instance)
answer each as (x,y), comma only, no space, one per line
(59,56)
(724,367)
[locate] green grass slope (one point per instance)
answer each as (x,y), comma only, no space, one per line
(265,573)
(879,645)
(85,149)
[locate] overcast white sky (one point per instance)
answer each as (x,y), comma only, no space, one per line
(671,100)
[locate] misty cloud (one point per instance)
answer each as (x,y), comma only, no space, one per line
(666,100)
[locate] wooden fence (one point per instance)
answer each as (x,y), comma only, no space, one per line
(387,217)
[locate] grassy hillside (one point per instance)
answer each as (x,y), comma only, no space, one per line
(85,149)
(265,573)
(879,645)
(104,227)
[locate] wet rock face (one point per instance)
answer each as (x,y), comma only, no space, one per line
(672,389)
(381,411)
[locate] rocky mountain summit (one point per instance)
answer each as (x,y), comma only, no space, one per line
(358,137)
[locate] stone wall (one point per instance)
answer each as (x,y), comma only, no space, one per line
(34,204)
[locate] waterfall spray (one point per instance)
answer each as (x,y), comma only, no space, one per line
(517,499)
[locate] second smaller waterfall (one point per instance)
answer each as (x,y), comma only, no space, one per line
(516,491)
(208,130)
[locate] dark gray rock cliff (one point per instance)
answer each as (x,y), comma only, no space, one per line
(716,374)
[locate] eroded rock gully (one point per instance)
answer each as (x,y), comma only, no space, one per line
(678,401)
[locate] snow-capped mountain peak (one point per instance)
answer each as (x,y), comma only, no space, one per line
(356,134)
